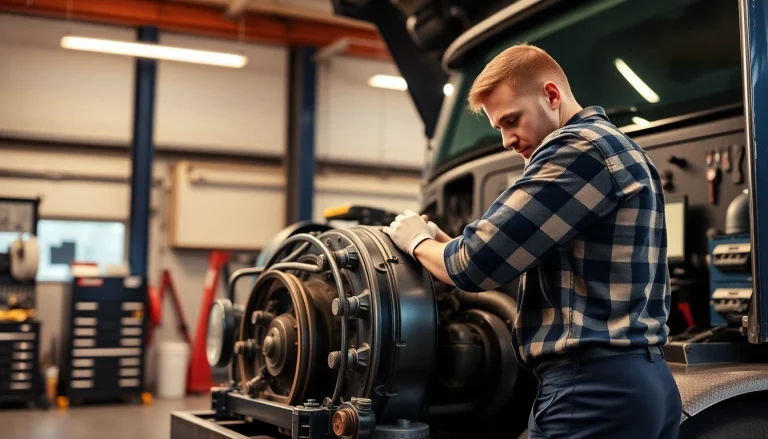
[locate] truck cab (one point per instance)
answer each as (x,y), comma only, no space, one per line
(674,76)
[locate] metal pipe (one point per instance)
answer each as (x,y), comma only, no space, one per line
(253,271)
(304,237)
(296,266)
(302,248)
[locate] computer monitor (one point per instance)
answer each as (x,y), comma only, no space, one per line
(674,214)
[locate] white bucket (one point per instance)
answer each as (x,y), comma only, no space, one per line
(172,364)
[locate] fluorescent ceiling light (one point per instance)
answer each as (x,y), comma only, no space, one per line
(398,83)
(154,51)
(387,81)
(640,121)
(635,81)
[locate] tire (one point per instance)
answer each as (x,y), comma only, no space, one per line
(740,419)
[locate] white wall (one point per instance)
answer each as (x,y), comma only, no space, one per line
(50,93)
(358,123)
(221,109)
(88,97)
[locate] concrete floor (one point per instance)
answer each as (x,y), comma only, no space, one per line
(112,421)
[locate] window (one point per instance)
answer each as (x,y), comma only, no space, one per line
(686,51)
(64,241)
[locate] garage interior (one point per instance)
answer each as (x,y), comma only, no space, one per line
(221,182)
(192,195)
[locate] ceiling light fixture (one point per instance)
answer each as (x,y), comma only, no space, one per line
(387,81)
(639,121)
(645,91)
(399,83)
(154,51)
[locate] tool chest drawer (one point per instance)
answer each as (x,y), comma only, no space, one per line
(105,324)
(19,357)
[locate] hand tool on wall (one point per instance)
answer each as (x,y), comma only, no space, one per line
(738,160)
(713,176)
(727,159)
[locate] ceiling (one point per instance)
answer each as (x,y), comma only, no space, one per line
(284,22)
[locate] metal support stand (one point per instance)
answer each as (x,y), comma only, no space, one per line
(142,154)
(301,135)
(754,67)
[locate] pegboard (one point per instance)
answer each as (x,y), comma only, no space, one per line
(692,144)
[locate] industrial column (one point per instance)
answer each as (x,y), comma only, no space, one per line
(300,166)
(142,154)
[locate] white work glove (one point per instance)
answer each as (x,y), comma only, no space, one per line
(408,230)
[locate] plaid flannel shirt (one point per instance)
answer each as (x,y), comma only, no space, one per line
(584,227)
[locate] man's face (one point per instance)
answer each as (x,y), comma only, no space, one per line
(524,117)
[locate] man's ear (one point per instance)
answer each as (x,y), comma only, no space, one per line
(552,92)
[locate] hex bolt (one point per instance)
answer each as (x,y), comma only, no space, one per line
(362,404)
(356,304)
(334,359)
(261,317)
(356,358)
(345,422)
(311,403)
(336,307)
(246,348)
(322,263)
(347,257)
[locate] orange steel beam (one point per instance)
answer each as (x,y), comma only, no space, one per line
(204,20)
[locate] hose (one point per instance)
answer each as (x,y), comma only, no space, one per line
(253,271)
(296,266)
(342,302)
(492,301)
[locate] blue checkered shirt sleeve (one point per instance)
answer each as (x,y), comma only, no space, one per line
(565,189)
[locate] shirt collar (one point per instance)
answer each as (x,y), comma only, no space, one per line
(582,116)
(587,113)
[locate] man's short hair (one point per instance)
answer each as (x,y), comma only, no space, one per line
(520,65)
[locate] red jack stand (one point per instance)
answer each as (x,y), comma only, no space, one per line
(199,377)
(156,307)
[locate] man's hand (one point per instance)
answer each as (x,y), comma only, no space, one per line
(437,233)
(409,230)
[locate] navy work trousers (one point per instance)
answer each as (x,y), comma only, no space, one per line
(625,396)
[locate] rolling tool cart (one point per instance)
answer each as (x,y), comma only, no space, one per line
(20,378)
(104,329)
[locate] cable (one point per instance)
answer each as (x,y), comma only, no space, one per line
(342,302)
(296,266)
(296,253)
(240,273)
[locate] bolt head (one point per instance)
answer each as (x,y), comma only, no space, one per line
(334,360)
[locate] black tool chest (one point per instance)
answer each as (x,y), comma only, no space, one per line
(105,322)
(19,350)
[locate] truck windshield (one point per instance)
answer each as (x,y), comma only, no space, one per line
(686,52)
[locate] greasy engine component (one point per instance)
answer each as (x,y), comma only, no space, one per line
(294,229)
(377,339)
(344,318)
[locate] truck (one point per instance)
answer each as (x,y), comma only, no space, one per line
(674,76)
(685,79)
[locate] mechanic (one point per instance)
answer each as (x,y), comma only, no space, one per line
(584,230)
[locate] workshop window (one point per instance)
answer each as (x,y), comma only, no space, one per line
(64,241)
